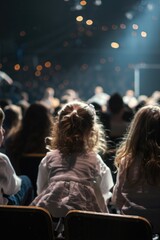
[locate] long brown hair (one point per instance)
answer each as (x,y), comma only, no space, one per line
(142,142)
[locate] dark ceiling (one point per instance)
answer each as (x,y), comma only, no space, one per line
(47,24)
(48,14)
(35,31)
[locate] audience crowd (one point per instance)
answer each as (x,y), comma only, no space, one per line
(101,154)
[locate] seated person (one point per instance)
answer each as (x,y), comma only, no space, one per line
(15,190)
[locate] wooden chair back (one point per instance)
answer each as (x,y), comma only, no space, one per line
(82,225)
(25,223)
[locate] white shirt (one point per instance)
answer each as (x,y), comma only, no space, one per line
(100,98)
(10,183)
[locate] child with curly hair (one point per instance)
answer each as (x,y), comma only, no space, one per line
(72,171)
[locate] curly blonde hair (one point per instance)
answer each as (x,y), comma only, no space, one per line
(77,130)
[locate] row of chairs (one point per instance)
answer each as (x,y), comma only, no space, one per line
(30,223)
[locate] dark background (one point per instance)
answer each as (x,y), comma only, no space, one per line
(35,31)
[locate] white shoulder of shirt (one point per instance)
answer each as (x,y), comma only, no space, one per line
(4,158)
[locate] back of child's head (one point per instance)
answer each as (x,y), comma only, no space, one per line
(78,129)
(145,128)
(77,118)
(143,140)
